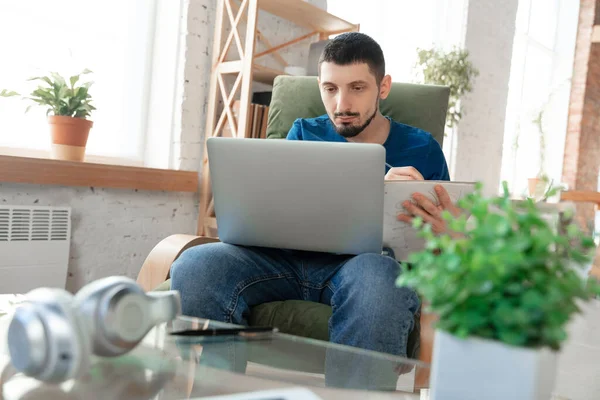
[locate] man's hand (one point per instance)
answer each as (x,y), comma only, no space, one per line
(430,212)
(403,174)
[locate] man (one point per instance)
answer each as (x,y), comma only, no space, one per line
(352,80)
(222,281)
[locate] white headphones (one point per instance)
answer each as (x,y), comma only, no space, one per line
(52,334)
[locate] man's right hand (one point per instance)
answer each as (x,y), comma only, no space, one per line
(403,174)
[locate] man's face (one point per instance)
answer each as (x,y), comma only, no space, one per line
(350,95)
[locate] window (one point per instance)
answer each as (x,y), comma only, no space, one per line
(113,38)
(541,67)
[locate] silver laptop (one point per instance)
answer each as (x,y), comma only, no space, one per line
(302,195)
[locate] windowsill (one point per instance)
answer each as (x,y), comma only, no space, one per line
(89,158)
(98,172)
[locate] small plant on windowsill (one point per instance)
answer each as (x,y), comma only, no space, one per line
(68,107)
(503,294)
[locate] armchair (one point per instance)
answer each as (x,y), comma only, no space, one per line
(422,106)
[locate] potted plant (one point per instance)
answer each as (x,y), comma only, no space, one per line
(68,109)
(447,68)
(504,292)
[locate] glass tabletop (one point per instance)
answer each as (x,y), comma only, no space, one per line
(166,366)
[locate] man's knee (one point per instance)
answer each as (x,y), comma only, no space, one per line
(372,268)
(201,276)
(373,280)
(201,261)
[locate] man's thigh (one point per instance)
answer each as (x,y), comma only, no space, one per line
(232,277)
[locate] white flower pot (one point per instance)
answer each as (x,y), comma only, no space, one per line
(477,369)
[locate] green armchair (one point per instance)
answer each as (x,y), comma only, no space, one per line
(422,106)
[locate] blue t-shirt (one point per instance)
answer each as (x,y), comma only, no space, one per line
(405,146)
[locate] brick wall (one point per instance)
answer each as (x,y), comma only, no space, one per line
(582,145)
(488,37)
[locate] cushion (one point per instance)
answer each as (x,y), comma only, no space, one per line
(296,317)
(421,106)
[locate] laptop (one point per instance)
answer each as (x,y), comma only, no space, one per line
(299,195)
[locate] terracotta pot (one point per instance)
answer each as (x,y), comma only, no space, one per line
(69,137)
(536,186)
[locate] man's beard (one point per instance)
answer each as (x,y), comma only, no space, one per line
(350,131)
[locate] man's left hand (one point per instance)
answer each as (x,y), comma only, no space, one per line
(430,213)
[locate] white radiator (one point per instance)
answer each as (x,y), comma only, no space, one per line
(34,247)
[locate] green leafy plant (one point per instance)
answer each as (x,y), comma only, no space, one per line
(452,69)
(59,96)
(511,276)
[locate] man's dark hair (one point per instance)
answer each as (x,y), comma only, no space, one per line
(355,47)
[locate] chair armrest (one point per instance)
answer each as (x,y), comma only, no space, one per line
(157,265)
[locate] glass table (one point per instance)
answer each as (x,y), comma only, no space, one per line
(166,366)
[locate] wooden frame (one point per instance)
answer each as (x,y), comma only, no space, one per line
(591,197)
(317,21)
(581,196)
(156,267)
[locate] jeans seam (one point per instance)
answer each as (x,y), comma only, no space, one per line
(333,306)
(245,285)
(331,287)
(313,286)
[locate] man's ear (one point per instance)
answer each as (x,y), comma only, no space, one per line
(385,86)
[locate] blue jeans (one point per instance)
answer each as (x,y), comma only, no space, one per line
(222,282)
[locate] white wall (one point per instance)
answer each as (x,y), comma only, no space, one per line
(489,38)
(114,230)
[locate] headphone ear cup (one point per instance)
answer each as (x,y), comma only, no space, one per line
(131,317)
(98,306)
(46,339)
(118,314)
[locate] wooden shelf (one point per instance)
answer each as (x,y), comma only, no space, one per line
(70,173)
(307,15)
(229,15)
(266,75)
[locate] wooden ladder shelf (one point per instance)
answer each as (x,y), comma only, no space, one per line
(233,13)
